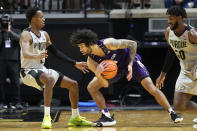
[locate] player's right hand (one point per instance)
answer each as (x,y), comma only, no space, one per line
(160,82)
(43,55)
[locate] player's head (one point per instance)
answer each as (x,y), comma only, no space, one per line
(175,16)
(84,38)
(35,16)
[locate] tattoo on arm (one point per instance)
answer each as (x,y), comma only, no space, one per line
(122,44)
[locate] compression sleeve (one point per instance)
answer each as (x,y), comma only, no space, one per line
(60,55)
(170,56)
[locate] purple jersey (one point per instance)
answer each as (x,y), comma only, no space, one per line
(122,56)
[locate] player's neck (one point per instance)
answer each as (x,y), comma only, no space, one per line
(180,30)
(35,30)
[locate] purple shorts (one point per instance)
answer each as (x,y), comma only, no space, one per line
(139,71)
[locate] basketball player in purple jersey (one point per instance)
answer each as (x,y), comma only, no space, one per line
(129,64)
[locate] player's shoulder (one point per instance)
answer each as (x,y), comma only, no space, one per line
(192,32)
(45,33)
(108,41)
(25,33)
(191,29)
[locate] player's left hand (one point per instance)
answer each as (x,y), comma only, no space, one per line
(101,67)
(130,72)
(82,66)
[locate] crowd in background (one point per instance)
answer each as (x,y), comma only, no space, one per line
(19,6)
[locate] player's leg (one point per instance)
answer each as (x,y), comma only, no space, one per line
(48,81)
(158,95)
(94,89)
(141,74)
(185,89)
(41,78)
(72,86)
(182,101)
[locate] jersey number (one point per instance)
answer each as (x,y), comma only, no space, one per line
(181,54)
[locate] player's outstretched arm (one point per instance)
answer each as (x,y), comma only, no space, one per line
(79,65)
(169,59)
(25,41)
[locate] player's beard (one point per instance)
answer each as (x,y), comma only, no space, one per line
(175,26)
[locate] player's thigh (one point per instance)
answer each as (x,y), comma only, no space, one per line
(49,75)
(181,98)
(44,78)
(67,82)
(148,85)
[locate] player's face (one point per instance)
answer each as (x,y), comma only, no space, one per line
(39,19)
(84,49)
(173,22)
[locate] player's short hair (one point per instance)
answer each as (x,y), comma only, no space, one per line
(86,36)
(177,11)
(31,12)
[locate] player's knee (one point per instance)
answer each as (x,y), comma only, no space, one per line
(90,89)
(74,85)
(50,81)
(178,105)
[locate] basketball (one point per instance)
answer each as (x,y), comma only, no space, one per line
(112,71)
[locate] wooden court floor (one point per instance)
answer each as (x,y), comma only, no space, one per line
(127,120)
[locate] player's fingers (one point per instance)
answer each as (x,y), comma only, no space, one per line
(157,85)
(86,70)
(162,84)
(129,76)
(83,71)
(106,68)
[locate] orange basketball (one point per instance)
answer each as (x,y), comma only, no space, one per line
(112,71)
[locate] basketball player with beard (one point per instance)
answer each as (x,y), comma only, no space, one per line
(34,44)
(182,41)
(129,64)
